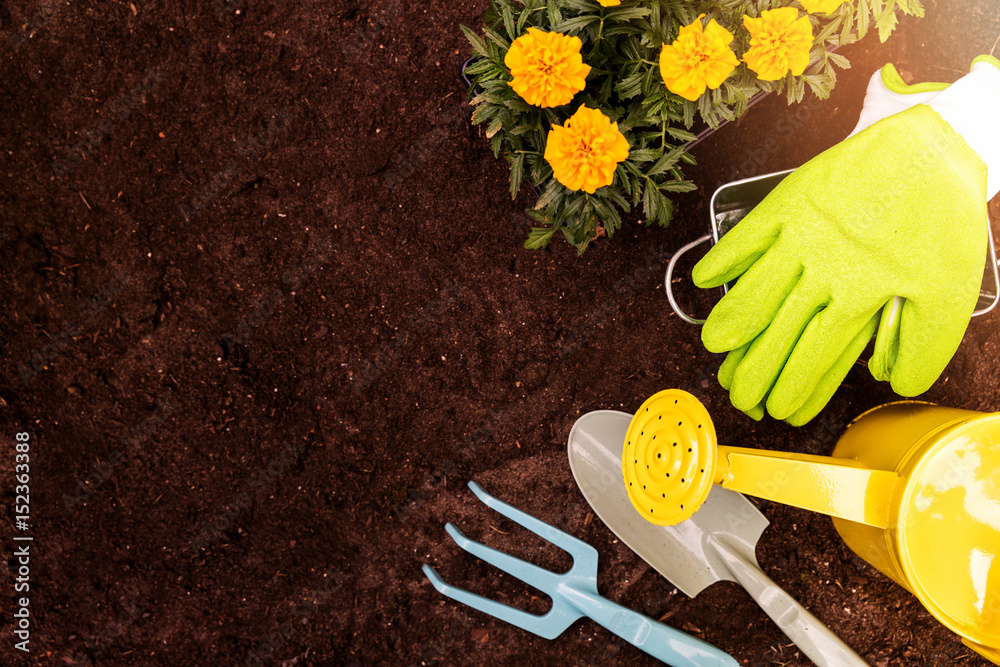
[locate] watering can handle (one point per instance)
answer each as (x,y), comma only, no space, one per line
(809,633)
(670,274)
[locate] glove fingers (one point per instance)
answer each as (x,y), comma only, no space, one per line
(752,304)
(726,372)
(887,341)
(817,350)
(831,380)
(767,354)
(729,366)
(756,413)
(929,334)
(737,250)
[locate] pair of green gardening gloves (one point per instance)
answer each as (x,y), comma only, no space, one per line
(885,232)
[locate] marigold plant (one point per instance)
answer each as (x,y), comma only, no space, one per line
(585,152)
(820,6)
(699,58)
(547,69)
(780,41)
(594,101)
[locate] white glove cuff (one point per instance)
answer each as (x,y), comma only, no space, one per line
(887,95)
(971,106)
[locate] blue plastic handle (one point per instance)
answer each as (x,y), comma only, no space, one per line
(660,641)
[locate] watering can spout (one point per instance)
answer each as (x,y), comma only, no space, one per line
(840,488)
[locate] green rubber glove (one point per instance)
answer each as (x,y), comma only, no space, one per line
(887,94)
(897,210)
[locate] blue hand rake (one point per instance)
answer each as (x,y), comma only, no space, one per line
(574,595)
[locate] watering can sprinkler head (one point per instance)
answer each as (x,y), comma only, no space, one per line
(669,457)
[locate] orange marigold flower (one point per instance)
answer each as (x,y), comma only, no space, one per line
(586,150)
(821,6)
(780,42)
(547,67)
(697,59)
(609,3)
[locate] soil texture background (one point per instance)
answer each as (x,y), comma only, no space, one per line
(266,312)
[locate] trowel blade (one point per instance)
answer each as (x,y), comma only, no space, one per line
(681,553)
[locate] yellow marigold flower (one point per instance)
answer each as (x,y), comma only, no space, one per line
(609,3)
(547,67)
(780,42)
(821,6)
(697,59)
(586,150)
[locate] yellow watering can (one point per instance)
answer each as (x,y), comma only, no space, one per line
(913,488)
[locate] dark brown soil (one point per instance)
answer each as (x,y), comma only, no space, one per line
(266,313)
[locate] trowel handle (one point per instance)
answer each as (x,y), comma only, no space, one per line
(817,641)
